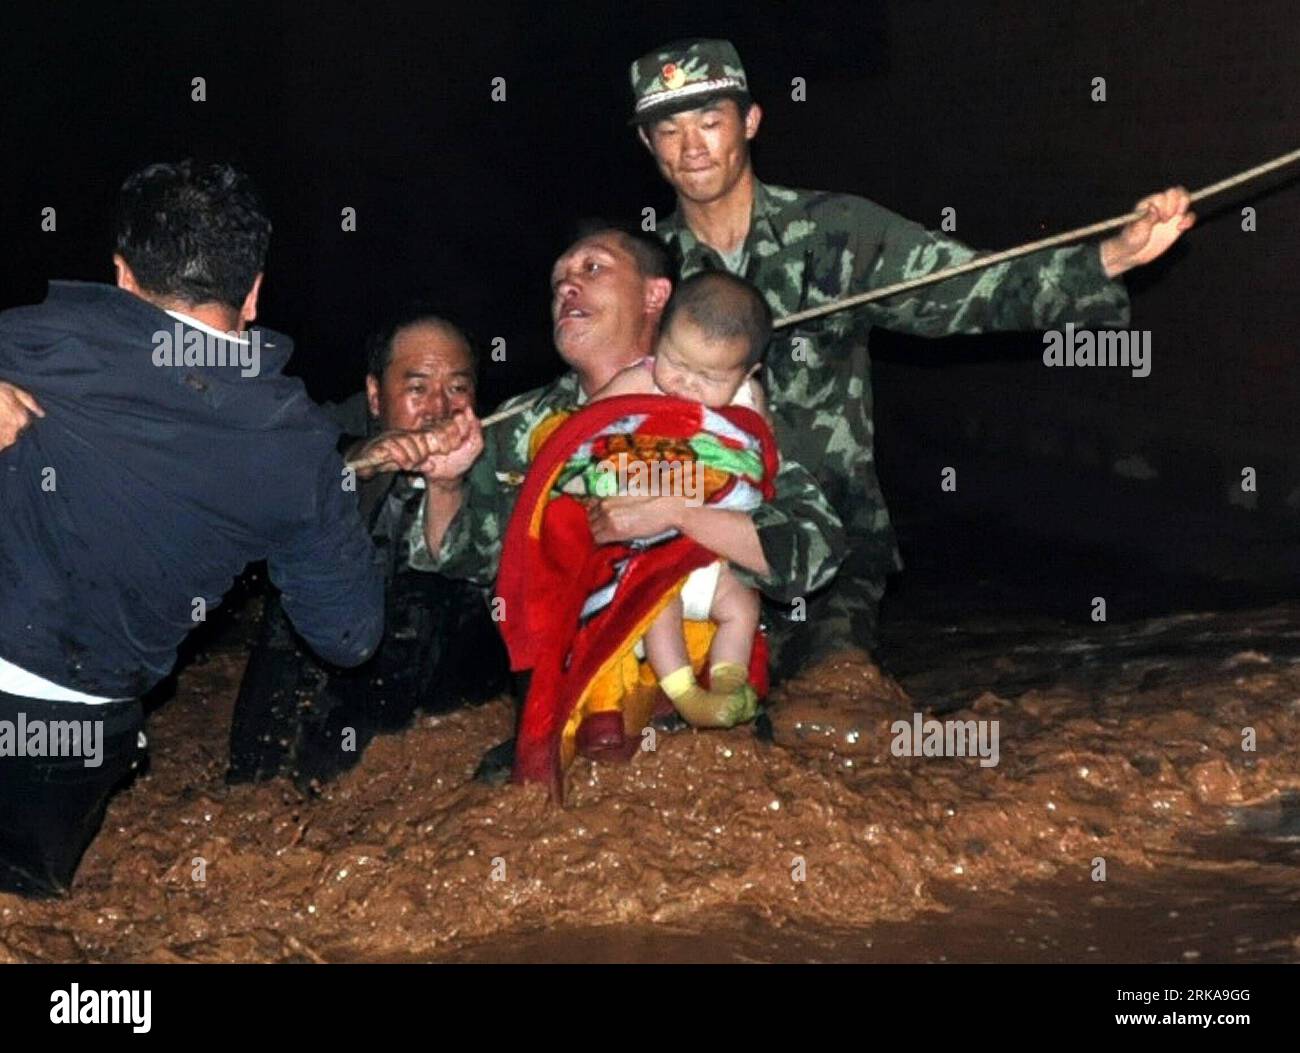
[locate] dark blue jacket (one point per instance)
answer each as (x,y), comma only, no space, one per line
(147,487)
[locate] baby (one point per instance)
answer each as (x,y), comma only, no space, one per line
(710,345)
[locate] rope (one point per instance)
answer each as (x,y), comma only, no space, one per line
(1023,250)
(951,272)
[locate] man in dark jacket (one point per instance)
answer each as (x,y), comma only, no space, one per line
(170,454)
(295,715)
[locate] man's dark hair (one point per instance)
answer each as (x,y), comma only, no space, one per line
(379,346)
(723,307)
(652,257)
(191,232)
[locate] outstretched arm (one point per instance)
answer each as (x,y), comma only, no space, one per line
(1044,289)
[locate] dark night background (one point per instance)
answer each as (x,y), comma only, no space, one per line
(981,106)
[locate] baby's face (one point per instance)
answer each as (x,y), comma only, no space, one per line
(691,366)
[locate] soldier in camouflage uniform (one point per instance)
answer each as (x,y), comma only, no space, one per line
(803,248)
(609,292)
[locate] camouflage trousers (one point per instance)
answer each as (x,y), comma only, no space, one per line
(846,613)
(843,616)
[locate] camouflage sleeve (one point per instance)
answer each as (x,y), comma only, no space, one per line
(471,546)
(802,537)
(1039,291)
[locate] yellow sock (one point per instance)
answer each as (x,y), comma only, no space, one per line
(710,709)
(680,683)
(726,677)
(731,680)
(700,708)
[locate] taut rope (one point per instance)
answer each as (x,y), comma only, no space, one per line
(1023,250)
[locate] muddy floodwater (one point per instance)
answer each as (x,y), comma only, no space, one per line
(1145,806)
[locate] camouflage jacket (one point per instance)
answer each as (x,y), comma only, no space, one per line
(806,248)
(801,536)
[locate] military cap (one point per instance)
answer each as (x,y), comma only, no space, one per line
(681,75)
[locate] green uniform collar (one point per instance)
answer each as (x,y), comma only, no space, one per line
(566,391)
(766,220)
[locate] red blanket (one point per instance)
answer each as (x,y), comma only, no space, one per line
(551,568)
